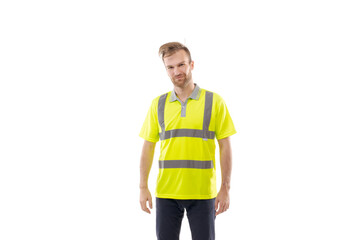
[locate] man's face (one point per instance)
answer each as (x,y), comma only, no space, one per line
(179,68)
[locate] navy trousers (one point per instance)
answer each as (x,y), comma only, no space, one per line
(200,213)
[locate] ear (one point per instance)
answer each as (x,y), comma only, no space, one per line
(192,65)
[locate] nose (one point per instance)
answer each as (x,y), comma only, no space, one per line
(176,71)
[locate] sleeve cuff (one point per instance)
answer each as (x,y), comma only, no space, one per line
(228,134)
(154,140)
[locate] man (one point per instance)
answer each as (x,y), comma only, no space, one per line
(186,120)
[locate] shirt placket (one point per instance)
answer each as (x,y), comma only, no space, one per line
(183,107)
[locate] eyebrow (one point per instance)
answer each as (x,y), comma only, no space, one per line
(176,64)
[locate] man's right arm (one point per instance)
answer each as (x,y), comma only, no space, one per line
(146,160)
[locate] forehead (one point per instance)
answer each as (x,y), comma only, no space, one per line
(177,57)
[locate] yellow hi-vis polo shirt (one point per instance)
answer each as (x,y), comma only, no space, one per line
(187,132)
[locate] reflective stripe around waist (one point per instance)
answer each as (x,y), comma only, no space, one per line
(187,133)
(186,164)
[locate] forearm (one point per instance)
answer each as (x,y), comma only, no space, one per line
(146,160)
(225,163)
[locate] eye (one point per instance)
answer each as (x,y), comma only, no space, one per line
(170,67)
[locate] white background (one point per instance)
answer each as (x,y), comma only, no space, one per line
(77,78)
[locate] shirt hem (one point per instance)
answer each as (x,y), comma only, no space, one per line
(184,197)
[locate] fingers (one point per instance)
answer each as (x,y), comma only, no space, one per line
(223,206)
(145,197)
(221,209)
(143,204)
(150,203)
(216,204)
(144,207)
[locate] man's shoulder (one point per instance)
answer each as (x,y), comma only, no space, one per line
(161,95)
(156,99)
(216,96)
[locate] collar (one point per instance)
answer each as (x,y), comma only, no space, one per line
(194,95)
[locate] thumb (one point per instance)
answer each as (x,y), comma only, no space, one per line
(150,202)
(216,204)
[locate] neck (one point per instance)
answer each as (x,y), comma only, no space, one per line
(184,92)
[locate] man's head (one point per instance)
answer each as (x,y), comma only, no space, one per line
(178,63)
(170,48)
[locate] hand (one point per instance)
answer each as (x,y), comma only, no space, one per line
(222,201)
(145,196)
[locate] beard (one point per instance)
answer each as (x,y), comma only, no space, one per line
(182,81)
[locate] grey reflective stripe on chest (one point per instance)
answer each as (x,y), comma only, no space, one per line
(204,133)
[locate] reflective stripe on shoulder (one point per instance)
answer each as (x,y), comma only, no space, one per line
(161,113)
(207,110)
(186,164)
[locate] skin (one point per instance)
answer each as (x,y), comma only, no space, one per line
(147,156)
(178,68)
(222,201)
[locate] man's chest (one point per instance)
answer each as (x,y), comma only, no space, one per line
(188,115)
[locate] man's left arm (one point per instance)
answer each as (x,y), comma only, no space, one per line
(222,201)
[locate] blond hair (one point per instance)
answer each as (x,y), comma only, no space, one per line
(170,48)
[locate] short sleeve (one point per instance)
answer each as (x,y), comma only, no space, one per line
(224,126)
(150,128)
